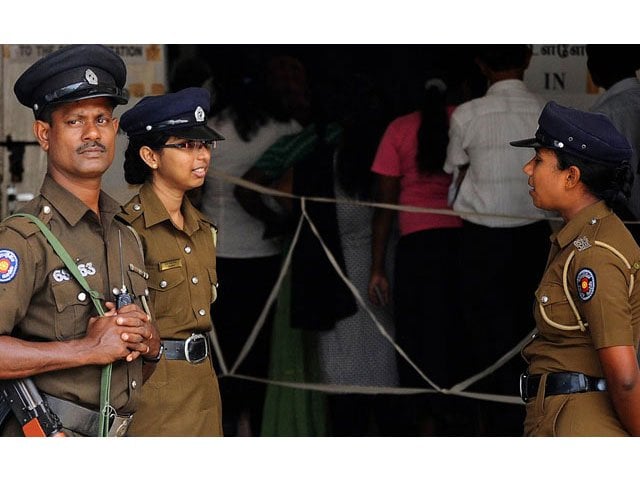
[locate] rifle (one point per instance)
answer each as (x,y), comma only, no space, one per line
(33,413)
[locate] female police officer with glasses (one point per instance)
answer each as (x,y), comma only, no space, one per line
(583,377)
(169,153)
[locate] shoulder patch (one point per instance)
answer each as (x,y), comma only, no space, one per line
(581,243)
(9,263)
(586,284)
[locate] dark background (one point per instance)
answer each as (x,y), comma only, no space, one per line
(399,70)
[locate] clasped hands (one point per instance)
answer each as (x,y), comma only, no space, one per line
(124,334)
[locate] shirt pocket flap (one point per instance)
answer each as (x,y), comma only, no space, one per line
(166,280)
(138,284)
(555,308)
(66,294)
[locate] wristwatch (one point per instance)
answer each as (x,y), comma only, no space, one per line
(157,358)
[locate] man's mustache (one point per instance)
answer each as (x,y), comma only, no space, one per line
(91,145)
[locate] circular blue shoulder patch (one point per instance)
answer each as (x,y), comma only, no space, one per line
(9,263)
(586,283)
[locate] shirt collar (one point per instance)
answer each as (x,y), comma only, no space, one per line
(576,225)
(503,86)
(155,212)
(70,207)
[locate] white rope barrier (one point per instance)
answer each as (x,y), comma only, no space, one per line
(390,206)
(459,389)
(272,297)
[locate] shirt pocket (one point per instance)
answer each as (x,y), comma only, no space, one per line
(72,309)
(553,309)
(138,284)
(167,293)
(139,287)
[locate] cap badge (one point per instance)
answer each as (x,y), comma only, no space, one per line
(91,77)
(586,283)
(200,115)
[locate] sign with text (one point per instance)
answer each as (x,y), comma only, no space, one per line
(559,72)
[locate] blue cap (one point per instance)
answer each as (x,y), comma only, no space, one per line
(586,135)
(182,114)
(74,72)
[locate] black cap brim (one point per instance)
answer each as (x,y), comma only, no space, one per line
(119,96)
(527,142)
(196,132)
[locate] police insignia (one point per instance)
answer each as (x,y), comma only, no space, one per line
(200,115)
(91,77)
(586,283)
(582,243)
(9,263)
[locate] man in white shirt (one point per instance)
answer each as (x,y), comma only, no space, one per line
(504,247)
(613,68)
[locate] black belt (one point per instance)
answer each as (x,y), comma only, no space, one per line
(85,421)
(560,383)
(194,349)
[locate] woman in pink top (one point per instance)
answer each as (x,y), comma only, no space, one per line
(408,167)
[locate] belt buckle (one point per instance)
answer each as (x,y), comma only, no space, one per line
(524,394)
(196,348)
(120,425)
(583,383)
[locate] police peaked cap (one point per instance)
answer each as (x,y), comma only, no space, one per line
(74,72)
(586,135)
(181,114)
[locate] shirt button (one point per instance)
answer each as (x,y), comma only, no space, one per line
(46,209)
(82,296)
(594,221)
(202,312)
(187,249)
(544,299)
(163,284)
(137,207)
(146,292)
(194,280)
(134,384)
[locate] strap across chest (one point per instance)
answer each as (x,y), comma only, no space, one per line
(581,325)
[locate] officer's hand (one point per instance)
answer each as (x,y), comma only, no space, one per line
(140,335)
(104,339)
(379,289)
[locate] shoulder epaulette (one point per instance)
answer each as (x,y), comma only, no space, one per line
(131,212)
(21,225)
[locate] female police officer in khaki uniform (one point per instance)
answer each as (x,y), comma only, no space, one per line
(169,153)
(583,377)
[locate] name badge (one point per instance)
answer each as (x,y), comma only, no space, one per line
(168,265)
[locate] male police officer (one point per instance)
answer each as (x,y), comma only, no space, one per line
(49,329)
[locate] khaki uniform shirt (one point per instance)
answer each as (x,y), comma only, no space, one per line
(41,301)
(598,282)
(180,399)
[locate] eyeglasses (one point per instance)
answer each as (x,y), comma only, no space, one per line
(190,145)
